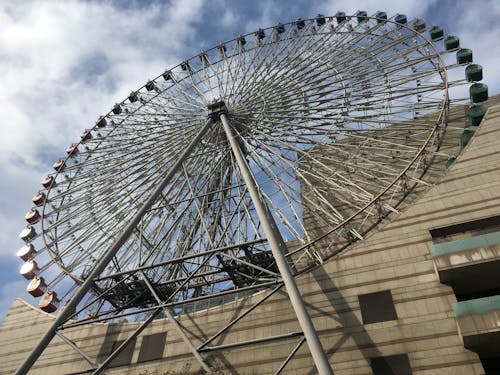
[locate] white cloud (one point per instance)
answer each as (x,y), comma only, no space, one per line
(413,8)
(64,63)
(61,65)
(478,29)
(74,59)
(269,13)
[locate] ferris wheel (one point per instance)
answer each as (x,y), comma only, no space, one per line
(266,154)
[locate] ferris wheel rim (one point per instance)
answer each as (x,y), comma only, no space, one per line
(422,149)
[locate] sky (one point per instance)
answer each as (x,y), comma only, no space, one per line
(62,64)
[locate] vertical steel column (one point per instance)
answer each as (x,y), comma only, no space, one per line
(108,256)
(278,248)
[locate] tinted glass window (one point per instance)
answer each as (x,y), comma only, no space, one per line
(393,365)
(125,356)
(377,307)
(152,347)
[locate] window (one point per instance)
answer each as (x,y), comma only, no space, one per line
(152,347)
(465,229)
(125,356)
(491,364)
(377,307)
(474,273)
(392,365)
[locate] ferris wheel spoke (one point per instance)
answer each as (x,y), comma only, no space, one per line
(314,160)
(261,71)
(286,196)
(300,176)
(264,76)
(201,215)
(338,123)
(181,90)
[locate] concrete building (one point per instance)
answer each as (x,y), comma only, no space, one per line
(420,295)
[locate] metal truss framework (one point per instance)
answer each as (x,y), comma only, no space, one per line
(359,135)
(283,276)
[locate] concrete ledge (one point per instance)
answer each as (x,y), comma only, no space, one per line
(478,306)
(481,332)
(474,242)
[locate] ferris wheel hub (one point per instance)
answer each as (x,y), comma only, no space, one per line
(216,109)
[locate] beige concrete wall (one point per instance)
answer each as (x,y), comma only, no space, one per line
(395,256)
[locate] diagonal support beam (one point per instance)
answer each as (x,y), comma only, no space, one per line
(124,344)
(180,303)
(241,316)
(278,248)
(155,313)
(285,336)
(290,356)
(177,327)
(76,348)
(110,253)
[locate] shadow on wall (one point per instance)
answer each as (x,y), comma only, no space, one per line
(345,317)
